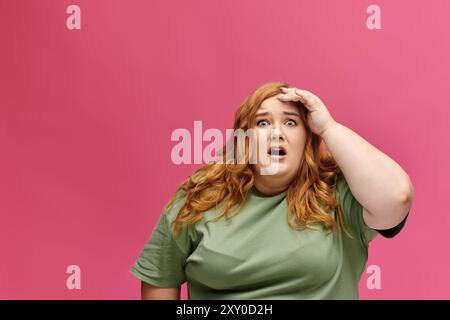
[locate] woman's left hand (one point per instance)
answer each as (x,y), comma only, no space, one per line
(318,118)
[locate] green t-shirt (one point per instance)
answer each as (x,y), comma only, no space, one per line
(258,255)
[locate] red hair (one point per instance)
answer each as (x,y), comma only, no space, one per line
(309,196)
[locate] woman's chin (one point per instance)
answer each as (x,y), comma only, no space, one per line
(274,168)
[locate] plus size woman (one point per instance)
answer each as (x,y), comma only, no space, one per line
(234,231)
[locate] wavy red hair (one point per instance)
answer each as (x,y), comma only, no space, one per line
(310,195)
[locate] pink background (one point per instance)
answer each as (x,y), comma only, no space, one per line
(86,117)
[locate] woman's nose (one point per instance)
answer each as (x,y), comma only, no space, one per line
(276,132)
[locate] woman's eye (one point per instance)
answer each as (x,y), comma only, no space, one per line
(262,123)
(291,122)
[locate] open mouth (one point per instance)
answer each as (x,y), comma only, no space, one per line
(277,151)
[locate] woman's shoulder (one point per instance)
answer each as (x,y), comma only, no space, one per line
(175,203)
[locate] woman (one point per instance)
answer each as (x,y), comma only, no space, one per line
(301,232)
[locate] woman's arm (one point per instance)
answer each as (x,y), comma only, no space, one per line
(149,292)
(381,186)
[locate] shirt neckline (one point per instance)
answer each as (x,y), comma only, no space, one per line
(257,193)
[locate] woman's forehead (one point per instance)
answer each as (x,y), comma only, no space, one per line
(273,104)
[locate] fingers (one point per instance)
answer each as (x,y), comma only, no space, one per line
(305,96)
(295,94)
(288,95)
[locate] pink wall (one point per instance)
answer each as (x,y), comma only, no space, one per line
(86,117)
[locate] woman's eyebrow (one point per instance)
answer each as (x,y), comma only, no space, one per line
(262,114)
(285,112)
(291,113)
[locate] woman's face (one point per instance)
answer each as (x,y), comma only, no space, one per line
(280,124)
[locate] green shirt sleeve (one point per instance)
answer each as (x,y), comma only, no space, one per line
(352,212)
(353,216)
(161,262)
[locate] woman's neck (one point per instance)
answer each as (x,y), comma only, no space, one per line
(270,186)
